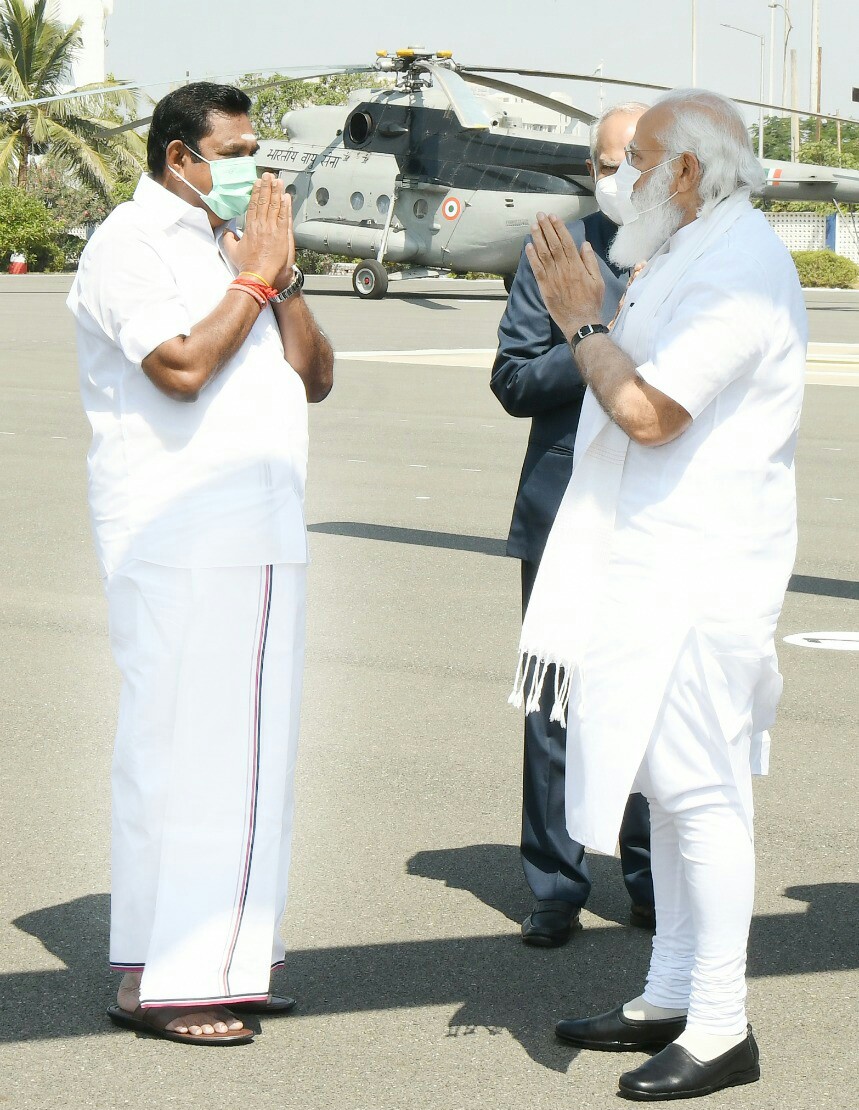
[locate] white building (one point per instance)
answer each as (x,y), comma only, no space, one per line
(89,67)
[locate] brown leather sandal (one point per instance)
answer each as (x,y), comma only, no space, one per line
(154,1021)
(274,1004)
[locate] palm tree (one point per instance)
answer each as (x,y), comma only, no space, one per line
(36,54)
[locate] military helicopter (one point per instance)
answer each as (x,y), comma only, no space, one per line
(428,174)
(425,173)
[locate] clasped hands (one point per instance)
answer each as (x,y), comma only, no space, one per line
(570,282)
(267,247)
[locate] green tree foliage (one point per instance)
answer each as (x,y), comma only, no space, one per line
(273,101)
(825,270)
(36,55)
(811,148)
(820,152)
(71,205)
(26,225)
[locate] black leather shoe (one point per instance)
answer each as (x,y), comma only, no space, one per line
(550,924)
(642,917)
(675,1073)
(612,1032)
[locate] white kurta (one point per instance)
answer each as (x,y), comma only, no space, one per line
(197,510)
(704,536)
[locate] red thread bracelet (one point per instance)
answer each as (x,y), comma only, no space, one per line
(258,297)
(267,291)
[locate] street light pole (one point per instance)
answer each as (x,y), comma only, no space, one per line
(772,52)
(762,40)
(694,43)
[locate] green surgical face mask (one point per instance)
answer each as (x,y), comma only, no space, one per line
(233,180)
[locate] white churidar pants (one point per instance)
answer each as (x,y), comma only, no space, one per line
(204,762)
(699,788)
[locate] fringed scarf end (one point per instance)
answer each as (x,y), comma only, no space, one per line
(530,679)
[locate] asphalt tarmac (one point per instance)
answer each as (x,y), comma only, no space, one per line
(414,988)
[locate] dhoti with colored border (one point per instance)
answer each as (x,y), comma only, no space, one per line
(203,770)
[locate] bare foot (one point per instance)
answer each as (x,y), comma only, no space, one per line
(128,995)
(222,1021)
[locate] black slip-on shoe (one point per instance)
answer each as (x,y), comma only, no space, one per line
(550,924)
(676,1073)
(612,1032)
(642,917)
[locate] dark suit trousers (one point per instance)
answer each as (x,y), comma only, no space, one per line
(554,865)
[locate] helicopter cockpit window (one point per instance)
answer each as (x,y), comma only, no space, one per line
(321,197)
(360,127)
(420,208)
(383,203)
(357,201)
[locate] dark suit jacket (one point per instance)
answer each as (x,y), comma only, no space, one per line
(535,375)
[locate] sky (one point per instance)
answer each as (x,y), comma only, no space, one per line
(157,41)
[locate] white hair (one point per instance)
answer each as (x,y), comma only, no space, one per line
(710,126)
(629,106)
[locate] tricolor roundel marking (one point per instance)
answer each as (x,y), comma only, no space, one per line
(452,208)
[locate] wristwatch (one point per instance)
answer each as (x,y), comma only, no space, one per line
(584,332)
(295,286)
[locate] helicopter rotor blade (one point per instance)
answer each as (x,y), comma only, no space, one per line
(75,94)
(468,109)
(105,132)
(528,94)
(597,80)
(329,71)
(306,74)
(282,78)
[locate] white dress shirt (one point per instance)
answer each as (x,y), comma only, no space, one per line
(214,482)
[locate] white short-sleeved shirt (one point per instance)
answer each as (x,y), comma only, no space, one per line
(713,513)
(214,482)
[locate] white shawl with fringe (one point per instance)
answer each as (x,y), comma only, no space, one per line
(559,621)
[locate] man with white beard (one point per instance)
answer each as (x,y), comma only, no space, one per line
(680,520)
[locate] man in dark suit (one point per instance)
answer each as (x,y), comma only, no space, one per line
(535,375)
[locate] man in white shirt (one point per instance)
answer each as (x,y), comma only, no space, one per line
(198,355)
(681,516)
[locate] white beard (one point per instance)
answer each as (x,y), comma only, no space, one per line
(636,242)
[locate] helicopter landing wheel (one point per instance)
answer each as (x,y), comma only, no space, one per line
(370,280)
(508,281)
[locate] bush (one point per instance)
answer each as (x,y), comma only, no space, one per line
(312,262)
(825,270)
(26,225)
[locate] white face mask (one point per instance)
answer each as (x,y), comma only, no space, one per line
(613,193)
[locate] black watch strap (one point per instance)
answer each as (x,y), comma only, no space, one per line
(584,332)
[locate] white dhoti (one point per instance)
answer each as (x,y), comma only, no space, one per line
(212,663)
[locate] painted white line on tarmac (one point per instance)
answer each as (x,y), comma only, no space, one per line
(832,377)
(828,363)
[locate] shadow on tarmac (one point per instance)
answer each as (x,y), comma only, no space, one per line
(498,983)
(485,545)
